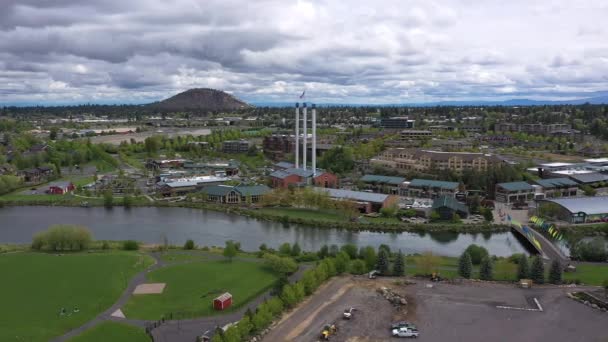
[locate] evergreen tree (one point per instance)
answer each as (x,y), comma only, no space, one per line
(486,271)
(523,270)
(296,250)
(555,272)
(537,271)
(399,266)
(465,265)
(382,264)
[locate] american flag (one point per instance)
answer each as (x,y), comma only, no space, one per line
(302,96)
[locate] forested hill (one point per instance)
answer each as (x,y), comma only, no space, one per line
(200,99)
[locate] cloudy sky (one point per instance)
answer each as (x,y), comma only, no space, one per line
(355,51)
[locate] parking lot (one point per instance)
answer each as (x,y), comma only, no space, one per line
(445,312)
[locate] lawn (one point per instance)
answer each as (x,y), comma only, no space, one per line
(308,214)
(36,286)
(591,274)
(191,288)
(112,331)
(185,256)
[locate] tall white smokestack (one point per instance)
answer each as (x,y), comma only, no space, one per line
(304,150)
(314,140)
(297,135)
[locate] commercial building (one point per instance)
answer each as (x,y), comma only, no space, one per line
(227,194)
(235,146)
(277,146)
(419,160)
(447,206)
(414,134)
(575,210)
(512,192)
(536,128)
(300,177)
(60,188)
(397,122)
(382,184)
(220,169)
(36,175)
(182,186)
(428,188)
(556,187)
(366,202)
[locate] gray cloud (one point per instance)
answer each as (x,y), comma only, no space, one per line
(269,50)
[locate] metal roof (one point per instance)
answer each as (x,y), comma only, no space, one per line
(589,178)
(382,179)
(450,202)
(284,165)
(588,205)
(355,195)
(556,182)
(433,184)
(252,190)
(515,186)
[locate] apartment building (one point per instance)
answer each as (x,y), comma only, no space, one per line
(423,160)
(235,146)
(536,128)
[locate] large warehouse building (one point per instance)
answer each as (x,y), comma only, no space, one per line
(575,210)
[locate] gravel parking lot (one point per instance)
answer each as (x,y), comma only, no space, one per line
(445,312)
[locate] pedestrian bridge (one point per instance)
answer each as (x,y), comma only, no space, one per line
(538,241)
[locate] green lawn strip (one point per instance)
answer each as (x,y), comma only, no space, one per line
(112,331)
(174,257)
(389,220)
(590,274)
(36,286)
(309,214)
(191,288)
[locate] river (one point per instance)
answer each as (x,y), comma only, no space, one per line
(210,228)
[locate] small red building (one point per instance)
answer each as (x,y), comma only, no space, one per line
(293,176)
(60,188)
(222,302)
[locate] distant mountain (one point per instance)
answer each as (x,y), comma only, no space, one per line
(202,99)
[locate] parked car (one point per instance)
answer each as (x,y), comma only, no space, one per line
(405,332)
(403,324)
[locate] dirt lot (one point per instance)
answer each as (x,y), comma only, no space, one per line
(445,312)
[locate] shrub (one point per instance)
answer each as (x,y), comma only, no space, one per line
(63,238)
(594,250)
(189,244)
(350,249)
(399,266)
(281,265)
(555,273)
(428,263)
(369,256)
(358,267)
(537,271)
(108,199)
(230,250)
(323,252)
(382,264)
(296,250)
(285,249)
(105,245)
(514,258)
(465,266)
(342,260)
(127,201)
(486,269)
(477,253)
(523,270)
(130,245)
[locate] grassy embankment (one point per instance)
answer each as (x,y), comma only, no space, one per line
(112,331)
(37,286)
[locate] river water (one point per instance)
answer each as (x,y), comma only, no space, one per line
(209,228)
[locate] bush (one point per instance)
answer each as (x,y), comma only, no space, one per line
(127,201)
(296,250)
(130,245)
(486,269)
(350,249)
(108,199)
(594,250)
(523,269)
(537,271)
(281,265)
(63,238)
(189,244)
(555,273)
(477,253)
(105,245)
(230,250)
(382,264)
(285,249)
(358,267)
(399,266)
(465,266)
(514,258)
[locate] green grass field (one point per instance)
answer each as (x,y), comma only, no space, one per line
(191,288)
(112,331)
(36,286)
(308,214)
(591,274)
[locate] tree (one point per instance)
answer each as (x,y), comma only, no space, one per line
(382,264)
(350,249)
(465,266)
(232,334)
(108,199)
(189,244)
(309,281)
(288,296)
(487,214)
(280,265)
(127,201)
(337,160)
(523,269)
(537,270)
(245,326)
(285,248)
(323,252)
(477,253)
(399,266)
(342,260)
(295,250)
(230,250)
(555,273)
(369,256)
(333,250)
(428,263)
(486,269)
(605,284)
(53,133)
(358,267)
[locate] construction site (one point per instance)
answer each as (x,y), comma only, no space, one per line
(438,311)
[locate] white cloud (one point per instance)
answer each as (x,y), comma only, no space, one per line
(269,50)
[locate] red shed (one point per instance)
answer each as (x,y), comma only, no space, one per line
(222,302)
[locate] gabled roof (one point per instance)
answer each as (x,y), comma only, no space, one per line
(252,190)
(516,186)
(587,178)
(280,174)
(382,179)
(60,184)
(293,171)
(217,190)
(354,195)
(450,202)
(416,182)
(551,183)
(284,165)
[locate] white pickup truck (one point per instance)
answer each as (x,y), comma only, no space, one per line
(405,332)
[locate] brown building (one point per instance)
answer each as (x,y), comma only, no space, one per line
(300,177)
(277,145)
(422,160)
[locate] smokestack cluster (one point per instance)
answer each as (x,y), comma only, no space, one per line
(305,136)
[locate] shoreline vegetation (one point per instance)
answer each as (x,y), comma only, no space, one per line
(287,215)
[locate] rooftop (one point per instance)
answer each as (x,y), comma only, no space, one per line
(450,202)
(588,205)
(515,186)
(355,195)
(382,179)
(590,177)
(556,182)
(433,184)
